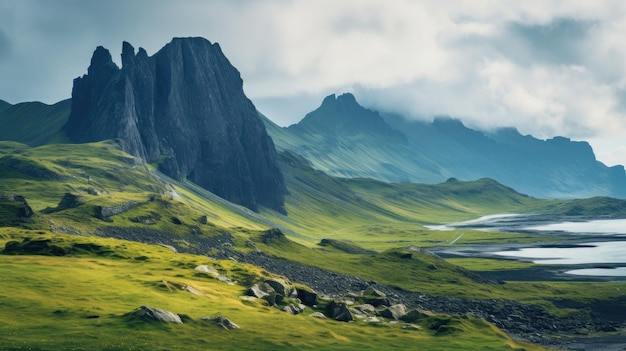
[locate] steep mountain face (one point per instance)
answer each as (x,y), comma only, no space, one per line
(342,138)
(357,142)
(183,107)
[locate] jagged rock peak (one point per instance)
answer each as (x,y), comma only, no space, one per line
(342,115)
(183,108)
(345,99)
(128,54)
(101,60)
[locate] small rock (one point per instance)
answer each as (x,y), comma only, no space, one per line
(192,290)
(157,314)
(371,320)
(221,322)
(366,308)
(208,270)
(318,315)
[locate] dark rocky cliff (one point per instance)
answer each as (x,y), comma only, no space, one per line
(184,107)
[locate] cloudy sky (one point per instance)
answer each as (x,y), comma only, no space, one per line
(546,67)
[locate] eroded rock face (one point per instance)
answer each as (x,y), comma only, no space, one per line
(183,107)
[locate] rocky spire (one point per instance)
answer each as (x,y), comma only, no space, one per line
(183,108)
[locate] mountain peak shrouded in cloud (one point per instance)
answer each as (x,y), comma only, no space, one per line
(345,139)
(183,108)
(342,114)
(546,67)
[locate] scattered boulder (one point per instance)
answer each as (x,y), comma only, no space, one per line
(281,287)
(192,290)
(169,247)
(339,311)
(371,291)
(225,279)
(307,295)
(221,322)
(69,201)
(206,270)
(294,309)
(394,312)
(176,220)
(203,219)
(375,297)
(92,191)
(156,314)
(366,308)
(263,291)
(371,320)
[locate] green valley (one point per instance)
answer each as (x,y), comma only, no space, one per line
(83,194)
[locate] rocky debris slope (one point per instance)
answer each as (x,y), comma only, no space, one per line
(530,322)
(183,108)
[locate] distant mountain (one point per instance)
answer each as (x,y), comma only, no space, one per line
(344,139)
(33,123)
(183,108)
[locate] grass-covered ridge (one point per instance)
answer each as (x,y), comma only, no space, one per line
(34,123)
(83,300)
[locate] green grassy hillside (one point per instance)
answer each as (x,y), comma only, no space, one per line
(80,194)
(34,123)
(85,300)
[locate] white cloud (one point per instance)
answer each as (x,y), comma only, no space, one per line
(546,67)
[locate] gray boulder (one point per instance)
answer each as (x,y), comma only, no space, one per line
(156,314)
(294,309)
(308,296)
(394,312)
(221,322)
(282,288)
(339,311)
(207,270)
(263,291)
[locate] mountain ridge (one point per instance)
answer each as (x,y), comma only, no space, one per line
(433,152)
(183,108)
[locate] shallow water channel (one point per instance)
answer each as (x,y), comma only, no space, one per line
(597,247)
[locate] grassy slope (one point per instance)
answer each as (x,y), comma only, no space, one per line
(369,213)
(81,302)
(379,215)
(34,123)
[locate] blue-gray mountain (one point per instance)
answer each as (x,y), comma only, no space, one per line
(344,139)
(184,108)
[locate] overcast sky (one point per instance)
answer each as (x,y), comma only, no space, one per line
(546,67)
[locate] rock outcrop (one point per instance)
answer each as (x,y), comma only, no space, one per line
(183,108)
(158,315)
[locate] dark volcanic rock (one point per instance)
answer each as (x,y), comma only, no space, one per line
(183,107)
